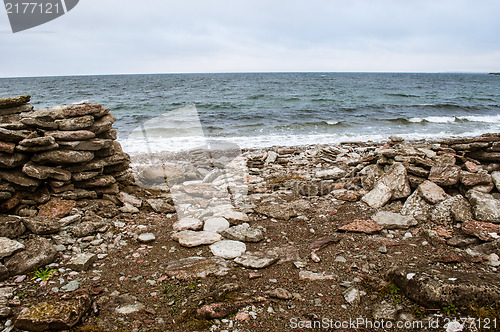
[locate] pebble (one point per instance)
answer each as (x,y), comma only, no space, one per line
(71,286)
(146,237)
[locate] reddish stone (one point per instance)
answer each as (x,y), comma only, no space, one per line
(480,229)
(11,202)
(7,147)
(471,167)
(362,226)
(443,232)
(56,208)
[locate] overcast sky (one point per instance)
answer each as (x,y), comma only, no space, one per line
(162,36)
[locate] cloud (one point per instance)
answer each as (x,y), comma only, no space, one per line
(125,36)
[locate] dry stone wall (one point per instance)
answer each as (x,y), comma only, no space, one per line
(65,152)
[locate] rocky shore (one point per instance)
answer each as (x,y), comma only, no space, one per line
(285,238)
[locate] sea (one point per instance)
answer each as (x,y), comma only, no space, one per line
(156,112)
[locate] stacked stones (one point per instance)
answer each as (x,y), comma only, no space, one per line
(67,152)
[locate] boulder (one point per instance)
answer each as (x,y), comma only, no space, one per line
(54,315)
(369,176)
(484,206)
(63,157)
(396,179)
(445,175)
(43,172)
(431,192)
(391,220)
(455,208)
(38,252)
(435,288)
(417,207)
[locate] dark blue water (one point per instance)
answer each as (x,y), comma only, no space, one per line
(255,110)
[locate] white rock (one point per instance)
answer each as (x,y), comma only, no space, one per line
(194,239)
(146,237)
(128,208)
(331,174)
(188,223)
(130,199)
(228,249)
(308,275)
(391,220)
(9,247)
(377,197)
(216,225)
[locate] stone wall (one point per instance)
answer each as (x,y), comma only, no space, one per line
(66,152)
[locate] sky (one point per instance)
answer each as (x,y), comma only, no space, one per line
(199,36)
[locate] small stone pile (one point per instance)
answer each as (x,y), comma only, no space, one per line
(66,152)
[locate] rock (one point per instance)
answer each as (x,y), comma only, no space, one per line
(385,311)
(63,157)
(228,249)
(378,197)
(98,181)
(14,101)
(483,230)
(471,167)
(94,144)
(56,208)
(474,179)
(38,252)
(129,308)
(255,260)
(431,192)
(130,199)
(42,225)
(160,205)
(484,206)
(71,286)
(77,194)
(128,208)
(4,274)
(460,208)
(331,173)
(18,177)
(445,175)
(12,202)
(391,220)
(43,172)
(193,239)
(78,135)
(188,223)
(313,276)
(59,314)
(369,176)
(362,226)
(352,295)
(81,262)
(8,135)
(84,229)
(76,123)
(12,160)
(146,237)
(7,147)
(243,233)
(11,226)
(9,247)
(495,176)
(345,195)
(222,309)
(216,225)
(38,141)
(103,124)
(35,149)
(197,267)
(280,293)
(417,207)
(234,217)
(435,288)
(80,109)
(396,179)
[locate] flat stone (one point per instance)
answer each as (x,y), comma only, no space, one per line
(417,207)
(42,225)
(54,315)
(445,175)
(14,101)
(314,276)
(228,249)
(370,175)
(9,135)
(38,252)
(38,141)
(11,226)
(352,295)
(471,167)
(193,239)
(378,196)
(255,260)
(82,261)
(216,225)
(9,247)
(280,293)
(103,124)
(277,211)
(188,223)
(197,267)
(234,217)
(474,179)
(71,286)
(432,193)
(36,149)
(77,135)
(77,194)
(56,208)
(362,226)
(146,237)
(483,230)
(484,206)
(331,173)
(84,229)
(76,123)
(16,176)
(128,208)
(80,109)
(391,220)
(243,233)
(7,147)
(43,172)
(82,176)
(63,157)
(435,288)
(128,198)
(396,179)
(12,160)
(98,181)
(495,176)
(160,205)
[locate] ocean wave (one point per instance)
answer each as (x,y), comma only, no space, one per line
(402,95)
(451,119)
